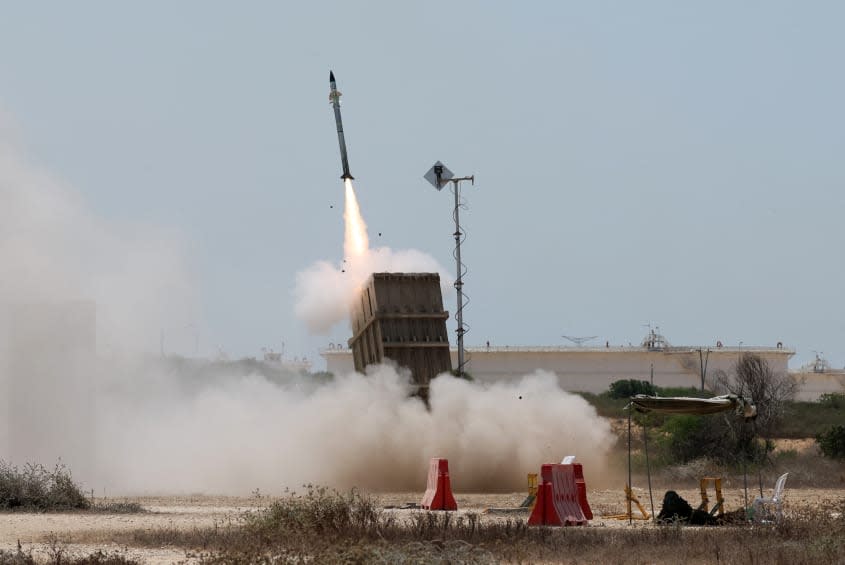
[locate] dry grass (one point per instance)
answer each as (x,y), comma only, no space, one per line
(57,554)
(323,526)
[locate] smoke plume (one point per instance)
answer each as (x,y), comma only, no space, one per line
(324,293)
(83,299)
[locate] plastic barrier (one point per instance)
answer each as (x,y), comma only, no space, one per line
(582,490)
(557,498)
(438,493)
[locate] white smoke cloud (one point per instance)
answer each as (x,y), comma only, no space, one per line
(324,293)
(130,423)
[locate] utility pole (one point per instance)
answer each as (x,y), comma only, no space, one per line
(439,176)
(702,363)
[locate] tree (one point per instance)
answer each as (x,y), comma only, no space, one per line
(726,437)
(769,391)
(627,388)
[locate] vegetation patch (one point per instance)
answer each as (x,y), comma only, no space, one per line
(117,507)
(808,419)
(57,554)
(325,526)
(34,488)
(832,442)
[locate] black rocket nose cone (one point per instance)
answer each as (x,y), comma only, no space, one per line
(331,76)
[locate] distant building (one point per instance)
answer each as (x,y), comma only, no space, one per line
(277,359)
(819,378)
(593,369)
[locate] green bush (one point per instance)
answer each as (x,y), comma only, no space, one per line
(627,388)
(36,489)
(680,438)
(809,419)
(833,400)
(684,438)
(832,442)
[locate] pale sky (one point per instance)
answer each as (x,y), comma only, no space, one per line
(670,163)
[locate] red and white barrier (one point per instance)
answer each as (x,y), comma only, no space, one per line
(438,493)
(582,491)
(558,501)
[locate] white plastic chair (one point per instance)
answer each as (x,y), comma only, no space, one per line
(760,503)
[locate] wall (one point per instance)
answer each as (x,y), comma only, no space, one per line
(586,369)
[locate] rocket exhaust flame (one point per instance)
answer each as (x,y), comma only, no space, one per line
(356,242)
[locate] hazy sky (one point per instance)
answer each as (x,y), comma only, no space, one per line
(637,162)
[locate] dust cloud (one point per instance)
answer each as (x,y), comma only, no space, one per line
(242,433)
(83,305)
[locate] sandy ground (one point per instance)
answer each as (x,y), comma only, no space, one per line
(83,533)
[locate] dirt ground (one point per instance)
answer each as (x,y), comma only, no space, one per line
(83,533)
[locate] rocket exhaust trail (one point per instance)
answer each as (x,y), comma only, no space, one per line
(355,240)
(334,98)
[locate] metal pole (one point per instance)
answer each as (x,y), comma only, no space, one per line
(459,283)
(648,469)
(702,360)
(759,463)
(630,492)
(745,478)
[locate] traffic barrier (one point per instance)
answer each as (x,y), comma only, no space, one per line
(582,491)
(438,493)
(557,498)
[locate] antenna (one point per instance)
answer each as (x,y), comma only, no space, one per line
(820,364)
(439,175)
(579,341)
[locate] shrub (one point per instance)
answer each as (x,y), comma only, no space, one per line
(832,442)
(36,489)
(808,419)
(719,437)
(118,507)
(835,400)
(57,555)
(320,511)
(627,388)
